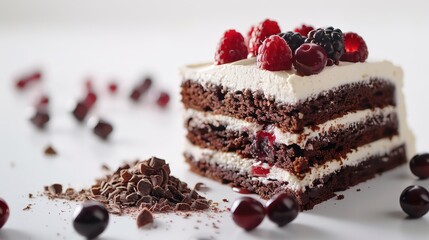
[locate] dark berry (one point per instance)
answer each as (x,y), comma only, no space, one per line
(80,111)
(419,165)
(294,40)
(249,34)
(141,89)
(310,59)
(163,99)
(274,54)
(4,212)
(332,40)
(113,87)
(304,30)
(355,48)
(90,219)
(414,201)
(231,48)
(247,213)
(40,118)
(260,33)
(262,147)
(282,209)
(103,129)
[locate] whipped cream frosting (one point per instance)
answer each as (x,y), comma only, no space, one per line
(234,162)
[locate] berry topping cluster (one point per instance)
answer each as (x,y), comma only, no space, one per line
(307,49)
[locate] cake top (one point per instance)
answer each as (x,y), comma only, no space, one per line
(305,50)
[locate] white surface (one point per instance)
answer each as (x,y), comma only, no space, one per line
(126,39)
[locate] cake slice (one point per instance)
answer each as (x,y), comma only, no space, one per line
(279,131)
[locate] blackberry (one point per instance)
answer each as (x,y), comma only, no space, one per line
(331,39)
(293,39)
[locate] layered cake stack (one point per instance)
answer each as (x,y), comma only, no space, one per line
(292,130)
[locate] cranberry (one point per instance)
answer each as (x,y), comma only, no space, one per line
(274,54)
(262,147)
(4,212)
(414,201)
(140,89)
(231,48)
(113,87)
(282,209)
(90,99)
(40,118)
(310,58)
(20,84)
(247,213)
(80,111)
(163,99)
(90,219)
(103,129)
(419,165)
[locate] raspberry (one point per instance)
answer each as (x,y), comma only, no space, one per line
(303,29)
(260,33)
(274,54)
(294,40)
(356,49)
(230,48)
(332,40)
(249,34)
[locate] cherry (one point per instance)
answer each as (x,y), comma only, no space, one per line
(414,201)
(310,58)
(90,219)
(163,99)
(262,147)
(260,171)
(419,165)
(4,212)
(282,209)
(247,213)
(103,129)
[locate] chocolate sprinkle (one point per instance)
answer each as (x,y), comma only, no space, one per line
(144,218)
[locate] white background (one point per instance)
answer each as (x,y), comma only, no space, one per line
(125,40)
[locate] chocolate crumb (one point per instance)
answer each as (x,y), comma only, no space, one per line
(28,207)
(30,195)
(340,197)
(201,186)
(358,190)
(55,189)
(225,200)
(144,218)
(104,167)
(50,151)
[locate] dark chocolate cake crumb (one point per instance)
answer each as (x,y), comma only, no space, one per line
(201,186)
(50,151)
(30,195)
(340,197)
(358,190)
(225,200)
(138,185)
(144,218)
(28,207)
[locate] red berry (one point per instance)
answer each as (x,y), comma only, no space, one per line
(20,84)
(90,99)
(356,49)
(282,209)
(103,129)
(419,165)
(249,34)
(303,29)
(310,58)
(414,201)
(260,33)
(113,87)
(247,213)
(260,171)
(163,99)
(4,212)
(230,48)
(274,54)
(23,81)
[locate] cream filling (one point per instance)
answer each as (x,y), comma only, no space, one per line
(201,118)
(234,162)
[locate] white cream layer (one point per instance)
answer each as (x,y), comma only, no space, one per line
(286,86)
(232,161)
(201,118)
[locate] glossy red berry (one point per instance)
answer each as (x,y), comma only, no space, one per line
(247,213)
(282,209)
(90,219)
(260,33)
(274,54)
(4,212)
(355,48)
(419,165)
(230,48)
(310,59)
(163,99)
(414,201)
(303,29)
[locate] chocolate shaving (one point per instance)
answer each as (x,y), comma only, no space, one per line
(55,189)
(201,186)
(50,151)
